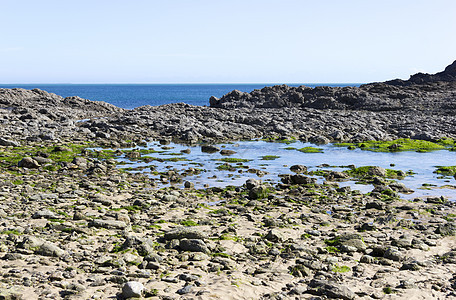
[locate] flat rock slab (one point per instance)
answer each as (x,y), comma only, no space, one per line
(109,224)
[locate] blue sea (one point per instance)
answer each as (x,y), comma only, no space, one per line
(130,96)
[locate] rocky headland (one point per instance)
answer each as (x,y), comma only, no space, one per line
(74,226)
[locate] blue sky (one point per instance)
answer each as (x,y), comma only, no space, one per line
(223,41)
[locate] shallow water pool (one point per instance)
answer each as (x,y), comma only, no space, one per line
(422,164)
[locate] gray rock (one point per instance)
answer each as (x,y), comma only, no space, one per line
(394,254)
(227,152)
(189,185)
(209,149)
(80,161)
(28,162)
(49,249)
(258,192)
(132,289)
(185,233)
(109,224)
(274,236)
(377,171)
(185,290)
(45,214)
(252,183)
(301,179)
(331,290)
(6,142)
(350,242)
(193,245)
(298,169)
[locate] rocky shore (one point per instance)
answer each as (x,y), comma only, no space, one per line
(422,108)
(74,226)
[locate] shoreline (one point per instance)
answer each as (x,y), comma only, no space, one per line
(74,226)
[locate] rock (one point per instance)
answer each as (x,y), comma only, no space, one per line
(331,290)
(40,246)
(376,204)
(393,254)
(298,169)
(49,249)
(132,289)
(45,214)
(109,224)
(28,162)
(274,236)
(80,161)
(319,140)
(6,142)
(189,185)
(193,245)
(209,149)
(301,179)
(227,152)
(377,171)
(11,293)
(184,233)
(446,229)
(258,192)
(252,183)
(185,290)
(351,243)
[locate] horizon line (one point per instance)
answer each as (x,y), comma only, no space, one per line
(170,83)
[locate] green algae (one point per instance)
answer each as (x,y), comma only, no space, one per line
(310,150)
(367,171)
(340,269)
(400,145)
(269,157)
(446,170)
(233,160)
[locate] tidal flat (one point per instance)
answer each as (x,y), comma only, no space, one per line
(281,193)
(81,221)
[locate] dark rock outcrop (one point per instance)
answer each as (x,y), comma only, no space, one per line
(421,91)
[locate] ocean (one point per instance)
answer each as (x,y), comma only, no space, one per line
(130,96)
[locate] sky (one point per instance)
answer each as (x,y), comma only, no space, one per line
(224,41)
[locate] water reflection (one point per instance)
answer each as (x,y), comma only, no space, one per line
(422,164)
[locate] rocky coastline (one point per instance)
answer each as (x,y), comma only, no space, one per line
(74,226)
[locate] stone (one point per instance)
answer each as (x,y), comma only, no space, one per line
(393,254)
(50,249)
(189,185)
(109,224)
(377,171)
(80,161)
(7,142)
(185,290)
(45,214)
(184,233)
(258,192)
(298,169)
(209,149)
(274,236)
(302,179)
(28,162)
(193,245)
(331,290)
(227,152)
(132,289)
(252,183)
